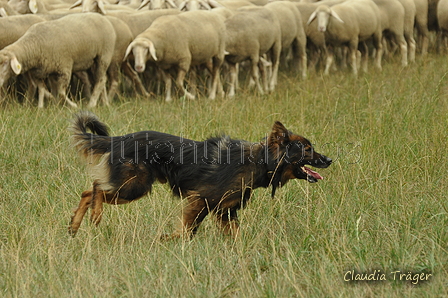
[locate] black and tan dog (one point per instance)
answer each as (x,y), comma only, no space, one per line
(214,176)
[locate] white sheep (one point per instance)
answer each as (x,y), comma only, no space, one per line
(264,37)
(123,38)
(12,28)
(351,23)
(292,32)
(392,22)
(57,48)
(179,42)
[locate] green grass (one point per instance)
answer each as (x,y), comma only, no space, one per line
(382,205)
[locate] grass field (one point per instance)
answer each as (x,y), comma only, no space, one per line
(382,205)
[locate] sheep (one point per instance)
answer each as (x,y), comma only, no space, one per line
(13,27)
(350,23)
(315,39)
(123,38)
(57,48)
(181,41)
(392,22)
(292,32)
(264,37)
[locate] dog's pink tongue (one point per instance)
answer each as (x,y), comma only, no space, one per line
(310,172)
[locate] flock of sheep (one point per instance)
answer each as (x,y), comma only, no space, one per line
(47,43)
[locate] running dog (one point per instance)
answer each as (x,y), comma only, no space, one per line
(214,176)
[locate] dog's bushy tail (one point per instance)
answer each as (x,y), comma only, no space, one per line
(92,144)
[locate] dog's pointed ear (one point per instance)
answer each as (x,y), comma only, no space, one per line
(279,135)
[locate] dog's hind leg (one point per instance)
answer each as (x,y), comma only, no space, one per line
(98,196)
(84,204)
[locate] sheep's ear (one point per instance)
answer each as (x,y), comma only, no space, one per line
(16,66)
(144,3)
(214,4)
(205,5)
(336,16)
(3,12)
(182,5)
(101,7)
(312,17)
(152,50)
(128,51)
(76,4)
(33,6)
(171,3)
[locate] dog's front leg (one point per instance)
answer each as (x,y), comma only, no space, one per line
(228,222)
(193,213)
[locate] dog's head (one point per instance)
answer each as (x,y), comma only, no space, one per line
(295,153)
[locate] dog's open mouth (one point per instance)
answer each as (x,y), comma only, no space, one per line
(311,176)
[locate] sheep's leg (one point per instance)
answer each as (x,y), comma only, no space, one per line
(233,77)
(132,74)
(255,72)
(180,83)
(62,85)
(83,76)
(113,76)
(352,52)
(275,60)
(364,56)
(31,88)
(41,93)
(379,50)
(300,52)
(263,69)
(168,85)
(100,83)
(215,67)
(193,79)
(412,48)
(329,61)
(403,51)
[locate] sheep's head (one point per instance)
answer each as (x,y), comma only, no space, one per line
(24,6)
(323,14)
(8,62)
(143,50)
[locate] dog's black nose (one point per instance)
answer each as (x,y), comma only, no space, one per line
(326,160)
